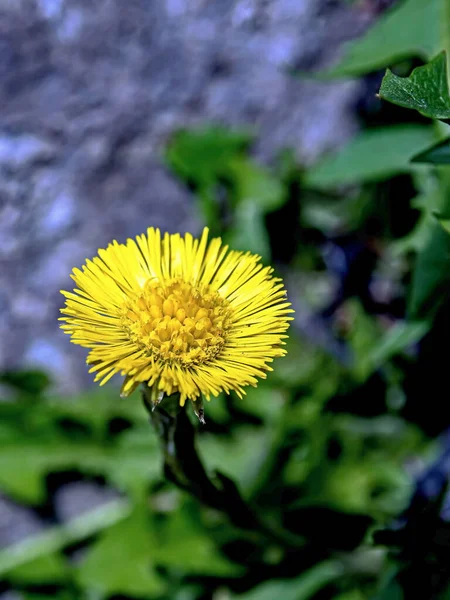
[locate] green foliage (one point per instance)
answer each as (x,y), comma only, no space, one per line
(373,349)
(409,28)
(120,561)
(216,162)
(302,588)
(425,90)
(431,274)
(48,567)
(132,540)
(28,382)
(439,154)
(38,556)
(34,444)
(374,154)
(392,592)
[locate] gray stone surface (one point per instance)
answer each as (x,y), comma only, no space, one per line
(89,94)
(16,523)
(74,499)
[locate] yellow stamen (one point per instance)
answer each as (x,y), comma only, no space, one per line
(168,335)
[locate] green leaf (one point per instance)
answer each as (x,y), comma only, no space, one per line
(400,337)
(373,349)
(237,455)
(49,568)
(213,160)
(135,462)
(22,472)
(410,28)
(251,234)
(301,588)
(184,544)
(254,184)
(352,595)
(255,193)
(392,592)
(431,243)
(30,382)
(372,155)
(438,154)
(24,464)
(363,335)
(121,561)
(444,222)
(55,539)
(200,156)
(431,276)
(428,203)
(266,401)
(425,90)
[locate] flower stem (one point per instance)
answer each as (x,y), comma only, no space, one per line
(184,468)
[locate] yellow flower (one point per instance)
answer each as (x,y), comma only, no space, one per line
(179,314)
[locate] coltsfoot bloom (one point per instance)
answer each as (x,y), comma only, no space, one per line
(179,314)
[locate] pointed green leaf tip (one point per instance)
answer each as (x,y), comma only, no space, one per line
(438,154)
(425,90)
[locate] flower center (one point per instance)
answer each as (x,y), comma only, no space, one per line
(176,322)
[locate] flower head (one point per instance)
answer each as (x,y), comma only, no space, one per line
(179,314)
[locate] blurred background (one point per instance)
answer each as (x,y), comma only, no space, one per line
(259,119)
